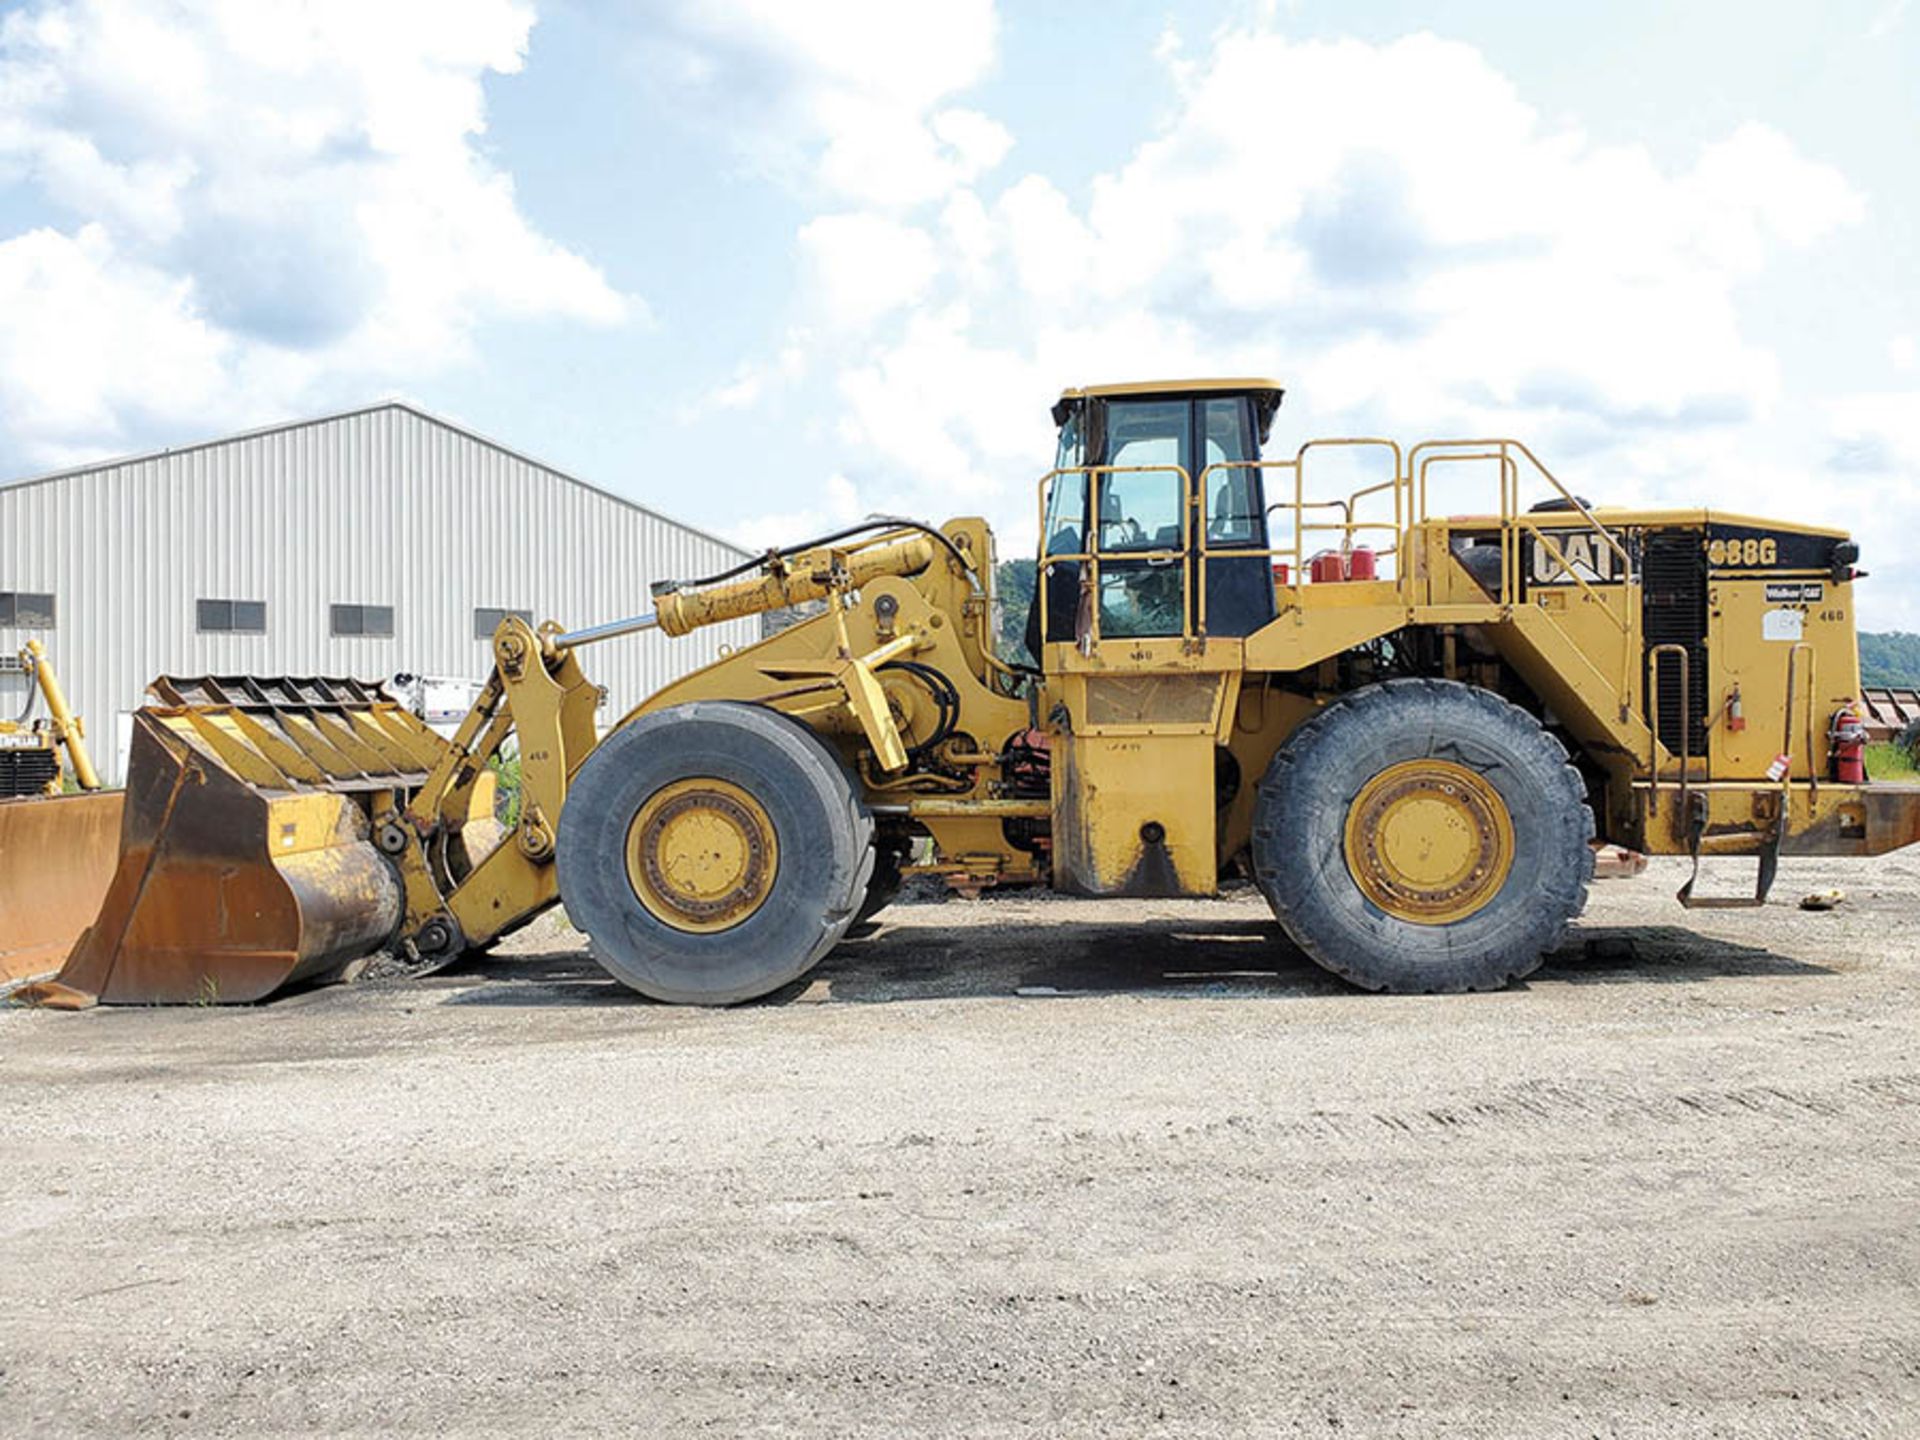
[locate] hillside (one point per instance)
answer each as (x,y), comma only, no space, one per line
(1013,587)
(1891,658)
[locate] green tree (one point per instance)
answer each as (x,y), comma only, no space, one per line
(1013,588)
(1891,658)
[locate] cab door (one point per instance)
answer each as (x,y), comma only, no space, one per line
(1232,517)
(1169,492)
(1120,500)
(1140,517)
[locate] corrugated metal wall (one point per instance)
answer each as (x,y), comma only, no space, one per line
(384,506)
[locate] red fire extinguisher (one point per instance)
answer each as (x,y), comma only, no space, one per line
(1847,745)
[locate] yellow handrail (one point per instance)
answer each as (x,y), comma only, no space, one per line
(1540,535)
(1653,725)
(1786,741)
(1409,487)
(1090,579)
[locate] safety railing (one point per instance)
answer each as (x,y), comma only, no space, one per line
(1297,552)
(1293,554)
(1408,486)
(1516,523)
(1396,484)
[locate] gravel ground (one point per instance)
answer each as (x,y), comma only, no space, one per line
(1022,1165)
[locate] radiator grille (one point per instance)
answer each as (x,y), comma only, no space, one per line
(26,772)
(1673,574)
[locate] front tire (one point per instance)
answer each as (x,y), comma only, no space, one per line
(1423,836)
(713,852)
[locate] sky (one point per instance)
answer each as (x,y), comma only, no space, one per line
(770,266)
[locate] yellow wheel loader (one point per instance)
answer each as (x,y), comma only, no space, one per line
(1409,727)
(30,746)
(57,850)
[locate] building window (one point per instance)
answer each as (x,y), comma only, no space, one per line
(25,610)
(486,621)
(242,617)
(376,620)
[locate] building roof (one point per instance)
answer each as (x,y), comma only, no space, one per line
(402,406)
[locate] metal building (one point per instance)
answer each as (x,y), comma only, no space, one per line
(368,543)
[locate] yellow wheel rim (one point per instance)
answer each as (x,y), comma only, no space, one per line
(702,855)
(1429,841)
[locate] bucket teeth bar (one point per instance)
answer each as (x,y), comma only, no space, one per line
(291,734)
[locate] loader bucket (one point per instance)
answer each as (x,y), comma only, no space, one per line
(245,863)
(56,857)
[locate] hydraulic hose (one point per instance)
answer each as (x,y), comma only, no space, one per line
(875,522)
(33,688)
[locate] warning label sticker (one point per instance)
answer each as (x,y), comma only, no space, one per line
(1783,625)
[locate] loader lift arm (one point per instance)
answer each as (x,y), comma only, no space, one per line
(281,830)
(465,886)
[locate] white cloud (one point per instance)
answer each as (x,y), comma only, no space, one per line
(863,266)
(844,95)
(91,342)
(1877,433)
(979,142)
(278,199)
(753,382)
(1053,252)
(1395,231)
(844,100)
(839,507)
(1868,479)
(1888,18)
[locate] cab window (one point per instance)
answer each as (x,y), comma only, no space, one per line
(1148,432)
(1140,510)
(1066,512)
(1233,510)
(1140,599)
(1066,495)
(1067,456)
(1148,446)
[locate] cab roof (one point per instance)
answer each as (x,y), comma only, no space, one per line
(1265,393)
(1173,387)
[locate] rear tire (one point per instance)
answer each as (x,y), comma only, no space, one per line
(803,890)
(1463,765)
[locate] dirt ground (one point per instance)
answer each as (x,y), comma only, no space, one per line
(1015,1166)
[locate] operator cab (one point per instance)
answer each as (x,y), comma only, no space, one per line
(1155,454)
